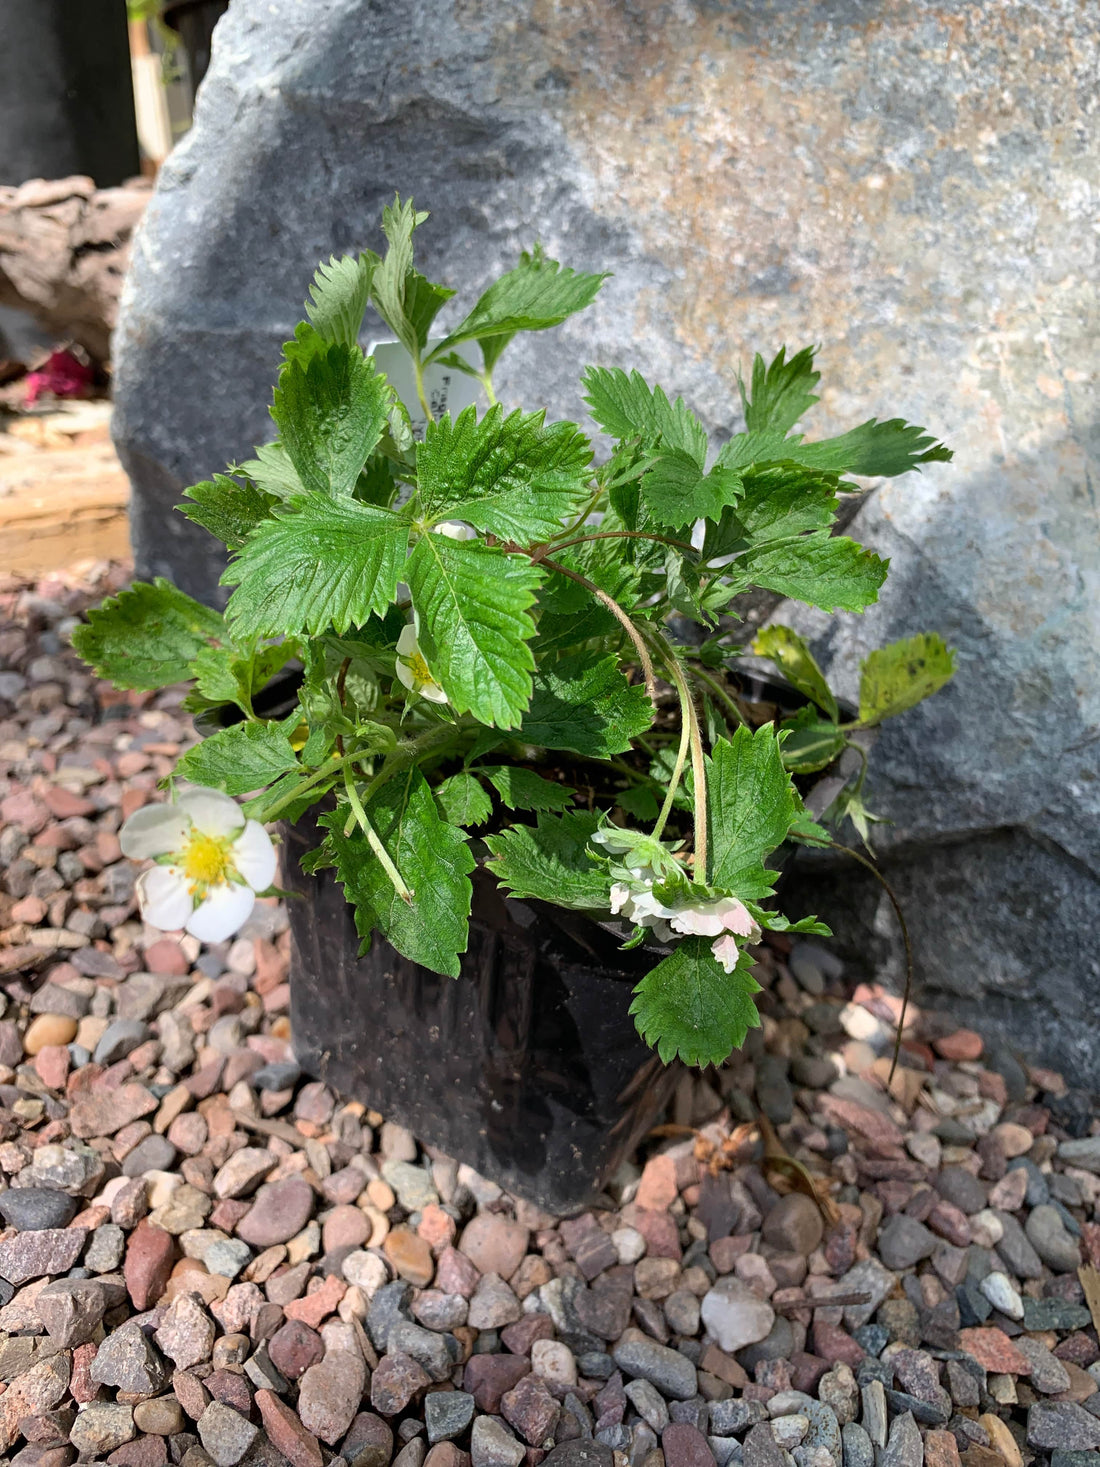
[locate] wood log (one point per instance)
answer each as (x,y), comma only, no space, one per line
(64,248)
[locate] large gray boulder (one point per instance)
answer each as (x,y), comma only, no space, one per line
(915,190)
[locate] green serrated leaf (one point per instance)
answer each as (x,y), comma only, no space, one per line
(339,296)
(537,294)
(239,759)
(750,805)
(677,492)
(463,800)
(781,392)
(873,449)
(899,676)
(320,562)
(272,471)
(585,706)
(331,411)
(812,742)
(791,654)
(627,407)
(406,300)
(215,672)
(434,861)
(638,801)
(146,637)
(550,861)
(523,789)
(472,603)
(829,571)
(689,1007)
(511,476)
(229,510)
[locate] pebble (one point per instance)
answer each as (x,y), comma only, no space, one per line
(225,1434)
(1001,1293)
(447,1414)
(186,1334)
(903,1242)
(48,1029)
(735,1316)
(33,1209)
(1047,1233)
(281,1210)
(493,1445)
(286,1432)
(102,1427)
(1062,1426)
(794,1225)
(397,1379)
(43,1252)
(329,1394)
(494,1244)
(672,1373)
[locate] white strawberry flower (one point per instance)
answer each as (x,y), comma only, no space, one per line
(725,919)
(211,862)
(726,951)
(411,668)
(709,919)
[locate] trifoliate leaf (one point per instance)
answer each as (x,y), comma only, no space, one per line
(239,759)
(823,570)
(320,562)
(339,296)
(331,411)
(523,789)
(512,476)
(537,294)
(677,492)
(783,646)
(812,742)
(471,601)
(230,511)
(750,806)
(585,706)
(690,1007)
(463,800)
(899,676)
(272,471)
(434,861)
(781,392)
(627,407)
(550,861)
(146,637)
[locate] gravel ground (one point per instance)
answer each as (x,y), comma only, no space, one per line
(209,1258)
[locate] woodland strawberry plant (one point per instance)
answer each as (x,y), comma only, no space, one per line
(481,624)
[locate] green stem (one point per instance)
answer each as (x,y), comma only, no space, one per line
(330,766)
(558,545)
(487,382)
(620,616)
(698,763)
(585,512)
(715,687)
(421,394)
(359,817)
(862,752)
(674,782)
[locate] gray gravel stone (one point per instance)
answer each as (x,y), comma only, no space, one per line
(225,1434)
(1019,1255)
(447,1414)
(1047,1234)
(154,1154)
(493,1445)
(31,1209)
(128,1360)
(672,1373)
(903,1242)
(1063,1426)
(858,1451)
(904,1447)
(119,1039)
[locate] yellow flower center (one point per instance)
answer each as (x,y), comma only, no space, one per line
(207,860)
(419,668)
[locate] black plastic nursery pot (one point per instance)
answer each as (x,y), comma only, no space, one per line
(528,1066)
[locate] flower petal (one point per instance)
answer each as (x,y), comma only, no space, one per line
(405,675)
(212,812)
(254,856)
(154,830)
(703,921)
(725,949)
(736,917)
(433,693)
(164,897)
(406,642)
(224,909)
